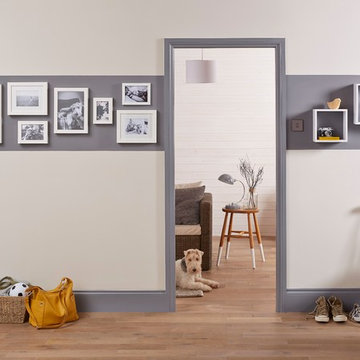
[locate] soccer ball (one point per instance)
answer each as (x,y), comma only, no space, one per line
(18,289)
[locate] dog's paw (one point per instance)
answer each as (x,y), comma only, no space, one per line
(206,288)
(215,285)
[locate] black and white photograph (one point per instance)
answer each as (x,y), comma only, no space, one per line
(27,98)
(103,111)
(32,132)
(136,94)
(71,110)
(136,126)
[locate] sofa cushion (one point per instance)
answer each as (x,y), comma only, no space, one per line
(188,185)
(187,205)
(188,229)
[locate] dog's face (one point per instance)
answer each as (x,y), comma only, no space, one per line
(193,259)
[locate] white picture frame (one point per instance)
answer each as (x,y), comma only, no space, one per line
(33,132)
(136,94)
(27,98)
(137,126)
(102,111)
(71,109)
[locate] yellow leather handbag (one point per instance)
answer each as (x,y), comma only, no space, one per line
(51,309)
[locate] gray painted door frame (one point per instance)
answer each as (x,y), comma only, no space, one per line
(279,45)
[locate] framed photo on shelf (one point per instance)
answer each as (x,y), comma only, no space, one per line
(33,132)
(136,93)
(138,126)
(103,111)
(27,98)
(71,110)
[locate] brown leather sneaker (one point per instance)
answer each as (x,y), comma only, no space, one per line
(321,311)
(336,307)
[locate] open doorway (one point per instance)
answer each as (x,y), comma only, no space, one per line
(206,145)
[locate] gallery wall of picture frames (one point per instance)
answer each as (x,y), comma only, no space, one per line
(81,113)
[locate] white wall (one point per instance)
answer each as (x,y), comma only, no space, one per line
(323,224)
(121,37)
(217,124)
(87,215)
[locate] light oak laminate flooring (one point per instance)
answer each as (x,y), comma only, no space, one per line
(237,321)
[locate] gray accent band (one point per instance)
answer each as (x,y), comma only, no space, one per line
(279,46)
(100,137)
(113,301)
(303,300)
(307,92)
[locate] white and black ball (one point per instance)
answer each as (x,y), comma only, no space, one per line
(18,289)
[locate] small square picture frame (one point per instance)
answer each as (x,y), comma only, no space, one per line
(102,111)
(137,126)
(27,98)
(33,132)
(136,94)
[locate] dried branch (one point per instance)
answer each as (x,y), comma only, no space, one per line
(252,176)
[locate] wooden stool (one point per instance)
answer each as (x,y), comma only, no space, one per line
(240,234)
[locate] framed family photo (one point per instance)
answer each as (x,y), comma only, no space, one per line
(136,93)
(71,110)
(103,111)
(138,126)
(27,98)
(32,132)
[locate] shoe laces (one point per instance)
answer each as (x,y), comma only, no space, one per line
(336,306)
(321,308)
(355,312)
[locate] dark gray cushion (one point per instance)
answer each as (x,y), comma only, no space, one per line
(187,205)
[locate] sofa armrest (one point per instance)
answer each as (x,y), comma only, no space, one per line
(206,214)
(206,230)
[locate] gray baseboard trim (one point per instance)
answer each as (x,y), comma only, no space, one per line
(122,301)
(303,300)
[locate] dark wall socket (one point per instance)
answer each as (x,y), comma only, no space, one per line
(297,125)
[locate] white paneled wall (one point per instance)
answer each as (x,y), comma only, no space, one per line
(216,124)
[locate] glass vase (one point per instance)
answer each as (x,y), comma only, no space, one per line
(251,199)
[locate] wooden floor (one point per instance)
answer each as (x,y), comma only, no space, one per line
(237,321)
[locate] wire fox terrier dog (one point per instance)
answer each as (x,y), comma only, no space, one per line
(188,272)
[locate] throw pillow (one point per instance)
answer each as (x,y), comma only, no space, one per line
(188,185)
(187,205)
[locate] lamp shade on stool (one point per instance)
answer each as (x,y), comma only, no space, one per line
(200,71)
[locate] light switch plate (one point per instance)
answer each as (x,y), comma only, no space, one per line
(297,125)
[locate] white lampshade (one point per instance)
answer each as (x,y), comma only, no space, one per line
(200,71)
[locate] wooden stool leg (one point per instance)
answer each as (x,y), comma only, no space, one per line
(251,240)
(222,240)
(229,237)
(258,235)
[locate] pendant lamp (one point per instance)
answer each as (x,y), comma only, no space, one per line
(200,71)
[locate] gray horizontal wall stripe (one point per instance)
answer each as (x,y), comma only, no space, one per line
(307,92)
(303,300)
(127,301)
(100,137)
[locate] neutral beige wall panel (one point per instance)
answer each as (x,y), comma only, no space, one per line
(123,37)
(323,218)
(97,217)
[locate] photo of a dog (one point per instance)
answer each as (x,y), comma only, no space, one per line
(188,272)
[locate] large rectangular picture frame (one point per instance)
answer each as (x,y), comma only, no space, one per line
(85,130)
(40,109)
(122,122)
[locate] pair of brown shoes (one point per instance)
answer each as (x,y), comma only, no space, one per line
(324,307)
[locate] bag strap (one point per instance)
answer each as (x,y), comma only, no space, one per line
(28,308)
(7,281)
